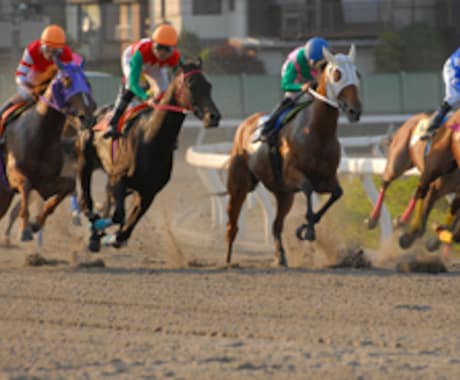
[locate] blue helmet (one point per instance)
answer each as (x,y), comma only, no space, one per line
(314,49)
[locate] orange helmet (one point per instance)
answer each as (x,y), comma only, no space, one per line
(53,36)
(165,34)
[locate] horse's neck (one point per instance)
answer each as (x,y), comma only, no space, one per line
(321,121)
(164,124)
(51,120)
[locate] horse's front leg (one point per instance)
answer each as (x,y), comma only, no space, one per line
(24,192)
(284,203)
(57,190)
(417,222)
(140,204)
(118,190)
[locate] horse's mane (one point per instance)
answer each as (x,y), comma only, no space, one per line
(155,120)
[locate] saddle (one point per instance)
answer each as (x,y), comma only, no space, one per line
(12,113)
(126,120)
(286,117)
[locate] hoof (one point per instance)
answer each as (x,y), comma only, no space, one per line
(94,244)
(406,240)
(432,243)
(305,232)
(34,227)
(109,240)
(279,262)
(398,223)
(371,223)
(27,235)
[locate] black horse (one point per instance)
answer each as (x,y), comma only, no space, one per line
(33,150)
(141,163)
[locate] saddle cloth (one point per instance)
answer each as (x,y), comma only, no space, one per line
(12,113)
(128,116)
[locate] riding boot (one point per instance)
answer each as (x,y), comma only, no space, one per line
(268,128)
(123,99)
(436,120)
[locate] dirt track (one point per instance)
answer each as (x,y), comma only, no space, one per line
(146,315)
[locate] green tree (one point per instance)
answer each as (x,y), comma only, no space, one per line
(225,59)
(416,47)
(189,44)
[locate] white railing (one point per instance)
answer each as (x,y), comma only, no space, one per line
(211,161)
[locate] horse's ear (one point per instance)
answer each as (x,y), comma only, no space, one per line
(199,62)
(352,52)
(328,55)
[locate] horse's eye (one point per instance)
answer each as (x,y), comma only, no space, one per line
(336,75)
(66,82)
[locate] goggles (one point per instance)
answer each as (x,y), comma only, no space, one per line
(159,47)
(51,51)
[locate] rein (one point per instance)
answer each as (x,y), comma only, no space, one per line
(51,104)
(169,107)
(324,99)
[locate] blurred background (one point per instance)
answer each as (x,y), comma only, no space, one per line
(401,44)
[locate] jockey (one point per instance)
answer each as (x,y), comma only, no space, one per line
(298,74)
(145,58)
(451,76)
(37,66)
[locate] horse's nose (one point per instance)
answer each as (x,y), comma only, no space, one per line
(213,119)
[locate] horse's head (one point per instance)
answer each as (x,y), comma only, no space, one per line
(71,93)
(341,81)
(193,92)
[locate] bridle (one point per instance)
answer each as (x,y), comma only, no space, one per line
(178,94)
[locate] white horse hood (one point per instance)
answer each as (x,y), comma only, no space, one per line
(340,72)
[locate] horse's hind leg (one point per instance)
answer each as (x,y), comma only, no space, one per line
(284,203)
(240,182)
(58,189)
(85,167)
(13,215)
(6,197)
(398,161)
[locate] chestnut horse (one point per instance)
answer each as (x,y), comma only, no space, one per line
(309,150)
(408,150)
(441,162)
(33,149)
(141,163)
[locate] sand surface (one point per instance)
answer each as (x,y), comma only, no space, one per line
(164,307)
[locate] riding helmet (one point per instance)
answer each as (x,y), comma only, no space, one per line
(165,35)
(314,49)
(53,36)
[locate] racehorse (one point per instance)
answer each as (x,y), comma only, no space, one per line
(33,150)
(408,150)
(309,150)
(141,163)
(440,161)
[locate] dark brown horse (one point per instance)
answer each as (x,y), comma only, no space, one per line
(309,149)
(439,162)
(408,150)
(141,163)
(33,149)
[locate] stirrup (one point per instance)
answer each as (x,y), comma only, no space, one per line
(429,134)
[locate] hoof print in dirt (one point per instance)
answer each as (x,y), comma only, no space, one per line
(429,264)
(99,263)
(355,258)
(37,260)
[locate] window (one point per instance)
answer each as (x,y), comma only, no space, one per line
(207,7)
